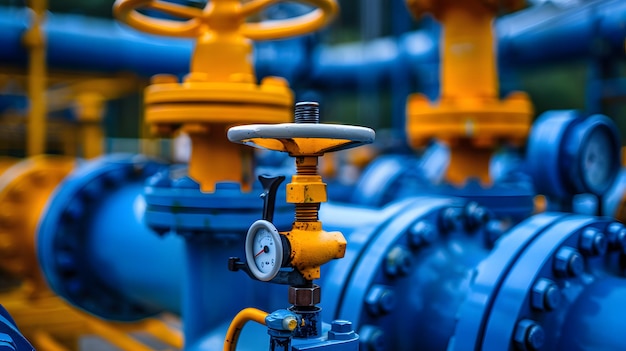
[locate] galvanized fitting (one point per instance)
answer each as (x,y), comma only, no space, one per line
(421,234)
(305,296)
(380,300)
(398,262)
(593,242)
(529,335)
(568,262)
(546,295)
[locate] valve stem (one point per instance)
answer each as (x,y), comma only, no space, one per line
(307,112)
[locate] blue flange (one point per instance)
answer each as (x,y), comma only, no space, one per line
(64,235)
(175,203)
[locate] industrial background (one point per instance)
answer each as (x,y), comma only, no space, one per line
(190,175)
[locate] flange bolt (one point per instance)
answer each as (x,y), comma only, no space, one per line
(529,336)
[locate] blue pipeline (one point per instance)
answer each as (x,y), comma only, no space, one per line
(421,271)
(95,249)
(541,34)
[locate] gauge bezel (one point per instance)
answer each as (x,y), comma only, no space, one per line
(278,252)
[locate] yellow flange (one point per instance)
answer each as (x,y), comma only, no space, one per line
(221,88)
(469,116)
(24,191)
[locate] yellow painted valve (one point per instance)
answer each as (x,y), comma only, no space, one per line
(221,89)
(470,117)
(306,140)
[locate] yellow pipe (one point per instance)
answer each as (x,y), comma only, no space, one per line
(35,42)
(467,62)
(43,341)
(115,337)
(236,326)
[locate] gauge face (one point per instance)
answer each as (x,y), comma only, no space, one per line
(597,156)
(264,250)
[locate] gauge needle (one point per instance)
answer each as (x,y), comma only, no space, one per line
(264,249)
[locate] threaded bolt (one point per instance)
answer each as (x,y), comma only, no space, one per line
(529,335)
(307,112)
(593,242)
(568,262)
(422,233)
(545,295)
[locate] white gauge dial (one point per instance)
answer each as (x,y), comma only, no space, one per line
(264,250)
(596,157)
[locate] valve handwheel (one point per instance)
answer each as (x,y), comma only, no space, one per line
(302,139)
(225,14)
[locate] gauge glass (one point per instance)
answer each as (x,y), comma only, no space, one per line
(597,157)
(264,250)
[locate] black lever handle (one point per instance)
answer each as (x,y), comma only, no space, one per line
(270,187)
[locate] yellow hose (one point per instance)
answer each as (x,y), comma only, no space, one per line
(248,314)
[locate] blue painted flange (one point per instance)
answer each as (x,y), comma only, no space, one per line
(175,203)
(530,290)
(402,280)
(63,235)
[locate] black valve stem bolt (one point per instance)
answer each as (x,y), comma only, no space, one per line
(307,112)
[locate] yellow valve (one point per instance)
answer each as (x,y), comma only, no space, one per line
(305,140)
(469,116)
(221,90)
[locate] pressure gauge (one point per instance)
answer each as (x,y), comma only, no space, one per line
(569,154)
(264,250)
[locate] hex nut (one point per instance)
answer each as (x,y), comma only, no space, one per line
(380,300)
(546,295)
(528,335)
(568,262)
(593,242)
(309,296)
(422,233)
(398,262)
(306,193)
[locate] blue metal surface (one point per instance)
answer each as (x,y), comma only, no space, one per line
(95,250)
(11,339)
(213,226)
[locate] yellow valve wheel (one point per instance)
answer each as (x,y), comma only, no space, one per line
(221,88)
(224,14)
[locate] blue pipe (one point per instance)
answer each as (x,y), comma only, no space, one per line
(95,249)
(81,43)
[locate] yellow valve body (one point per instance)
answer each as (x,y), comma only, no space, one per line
(205,111)
(469,113)
(24,191)
(221,89)
(311,247)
